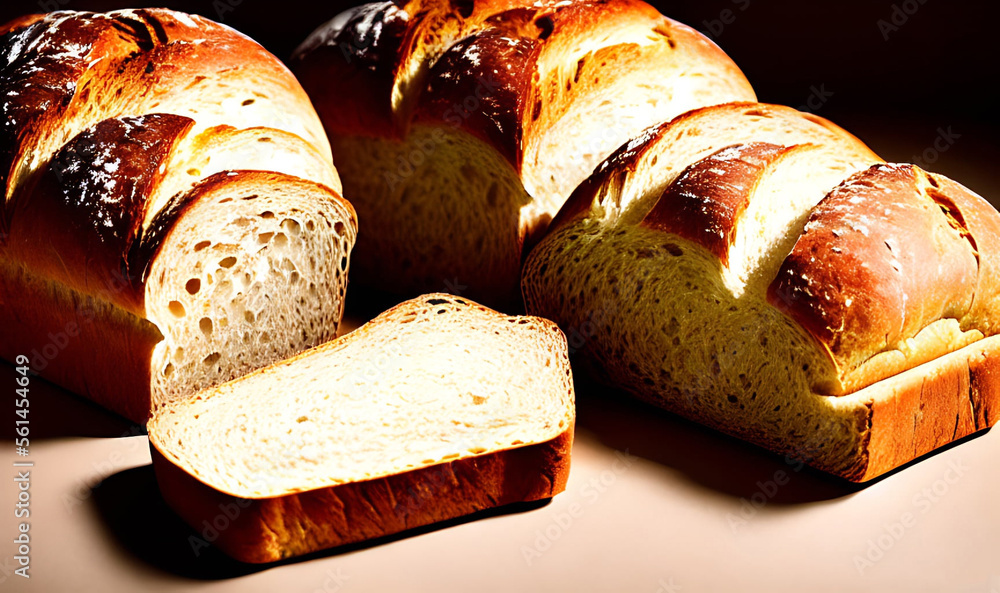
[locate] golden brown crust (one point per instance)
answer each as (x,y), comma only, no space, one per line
(488,101)
(79,223)
(978,223)
(704,203)
(608,178)
(78,341)
(443,53)
(928,407)
(270,529)
(358,51)
(68,71)
(878,261)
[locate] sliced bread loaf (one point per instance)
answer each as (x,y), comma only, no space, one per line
(171,217)
(435,409)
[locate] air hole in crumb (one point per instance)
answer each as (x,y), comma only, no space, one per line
(310,225)
(264,139)
(228,262)
(168,370)
(193,286)
(194,172)
(267,214)
(280,239)
(206,326)
(478,400)
(294,278)
(437,302)
(247,102)
(302,419)
(249,316)
(176,308)
(202,245)
(264,237)
(343,264)
(292,227)
(212,358)
(339,228)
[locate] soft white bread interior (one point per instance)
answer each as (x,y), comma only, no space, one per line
(435,383)
(254,270)
(761,271)
(471,123)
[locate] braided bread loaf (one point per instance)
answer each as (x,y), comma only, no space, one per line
(761,271)
(468,124)
(171,216)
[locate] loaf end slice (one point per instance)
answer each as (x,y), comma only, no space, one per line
(436,409)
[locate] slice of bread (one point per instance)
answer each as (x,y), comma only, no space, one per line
(435,409)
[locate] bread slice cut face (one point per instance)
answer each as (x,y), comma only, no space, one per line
(435,409)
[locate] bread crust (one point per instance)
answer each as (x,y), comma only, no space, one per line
(80,342)
(78,224)
(603,187)
(880,259)
(271,529)
(928,407)
(705,202)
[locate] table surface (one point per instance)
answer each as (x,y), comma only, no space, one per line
(654,504)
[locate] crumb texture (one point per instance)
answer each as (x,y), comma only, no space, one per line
(434,380)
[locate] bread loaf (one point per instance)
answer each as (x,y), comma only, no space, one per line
(171,218)
(469,124)
(435,409)
(761,271)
